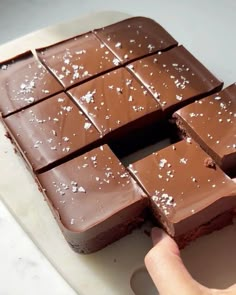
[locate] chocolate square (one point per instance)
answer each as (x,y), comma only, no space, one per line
(78,59)
(175,77)
(135,37)
(116,101)
(24,81)
(186,192)
(94,199)
(212,123)
(50,131)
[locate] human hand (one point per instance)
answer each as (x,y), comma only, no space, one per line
(168,272)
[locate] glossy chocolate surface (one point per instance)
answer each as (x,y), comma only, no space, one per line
(175,77)
(185,193)
(50,131)
(88,191)
(212,123)
(78,59)
(135,37)
(114,100)
(24,81)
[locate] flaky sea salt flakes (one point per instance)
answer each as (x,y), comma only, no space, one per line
(81,190)
(164,202)
(124,175)
(178,97)
(66,61)
(183,161)
(223,105)
(54,132)
(116,61)
(138,108)
(130,67)
(189,140)
(89,96)
(119,90)
(162,163)
(74,189)
(29,100)
(118,45)
(4,67)
(156,94)
(72,221)
(87,125)
(150,47)
(37,143)
(65,138)
(94,158)
(217,98)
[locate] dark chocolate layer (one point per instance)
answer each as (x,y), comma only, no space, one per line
(95,199)
(184,192)
(135,37)
(78,59)
(24,81)
(212,123)
(175,77)
(50,131)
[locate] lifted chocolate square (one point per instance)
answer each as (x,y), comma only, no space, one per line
(24,81)
(175,77)
(50,131)
(212,123)
(76,60)
(135,37)
(186,192)
(94,199)
(116,100)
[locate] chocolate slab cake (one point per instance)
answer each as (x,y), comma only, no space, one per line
(77,106)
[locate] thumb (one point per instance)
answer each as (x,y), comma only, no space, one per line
(166,268)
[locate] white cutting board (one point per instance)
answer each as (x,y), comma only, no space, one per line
(211,259)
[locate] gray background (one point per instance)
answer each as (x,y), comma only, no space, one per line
(205,27)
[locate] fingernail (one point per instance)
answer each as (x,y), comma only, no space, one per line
(157,234)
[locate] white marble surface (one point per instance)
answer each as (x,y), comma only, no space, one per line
(24,270)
